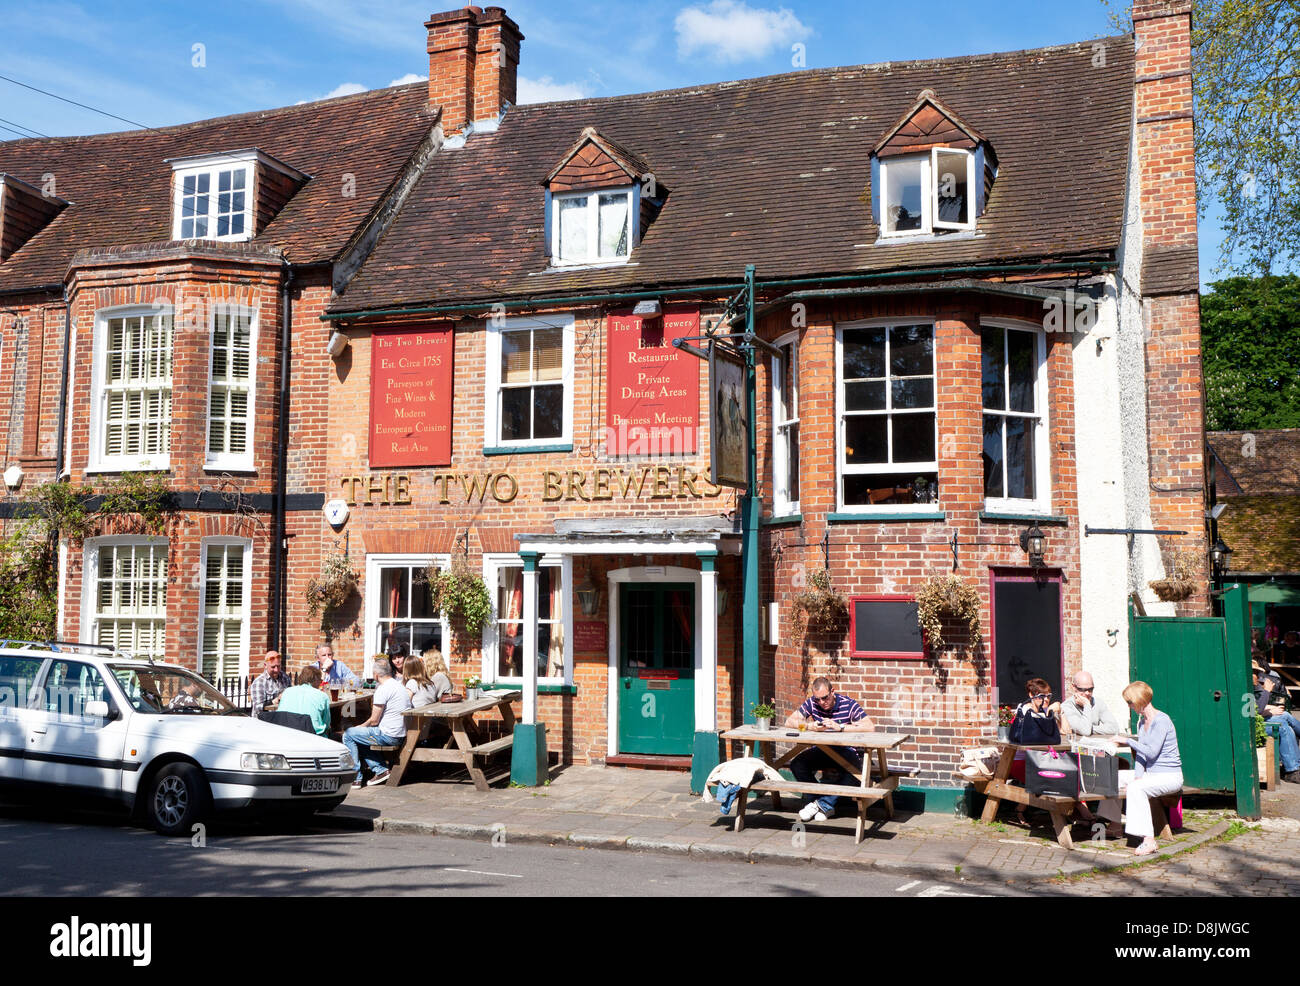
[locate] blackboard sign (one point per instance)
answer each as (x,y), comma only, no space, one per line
(885,627)
(1026,636)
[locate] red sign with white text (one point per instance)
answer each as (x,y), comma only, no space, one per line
(652,402)
(411,397)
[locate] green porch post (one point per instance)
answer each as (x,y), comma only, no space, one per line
(528,754)
(751,511)
(1236,614)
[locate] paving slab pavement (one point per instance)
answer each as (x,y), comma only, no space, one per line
(654,811)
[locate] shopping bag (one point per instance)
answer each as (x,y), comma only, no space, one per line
(1098,773)
(1051,771)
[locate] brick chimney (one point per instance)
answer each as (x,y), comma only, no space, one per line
(473,65)
(1170,275)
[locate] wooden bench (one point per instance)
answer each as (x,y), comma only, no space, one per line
(866,796)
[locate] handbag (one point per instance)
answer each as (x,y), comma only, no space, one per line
(980,763)
(1051,772)
(452,697)
(1098,768)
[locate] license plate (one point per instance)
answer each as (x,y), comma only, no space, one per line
(319,785)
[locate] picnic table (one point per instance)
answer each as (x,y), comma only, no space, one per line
(875,749)
(464,746)
(349,709)
(999,788)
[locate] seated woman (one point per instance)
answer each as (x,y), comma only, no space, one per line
(1037,723)
(1158,768)
(423,690)
(436,668)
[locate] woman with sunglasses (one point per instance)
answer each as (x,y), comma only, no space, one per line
(1158,768)
(1037,723)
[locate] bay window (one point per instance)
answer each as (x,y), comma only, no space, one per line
(126,594)
(231,390)
(225,567)
(131,390)
(887,422)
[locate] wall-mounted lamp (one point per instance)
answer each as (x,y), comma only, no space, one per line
(337,345)
(588,594)
(722,600)
(1220,556)
(1032,541)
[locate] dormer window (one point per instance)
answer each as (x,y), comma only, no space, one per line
(925,192)
(600,197)
(930,173)
(229,196)
(591,228)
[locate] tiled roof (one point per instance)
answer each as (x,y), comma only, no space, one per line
(120,184)
(1263,533)
(773,172)
(1258,462)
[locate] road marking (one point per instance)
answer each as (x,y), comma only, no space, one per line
(939,890)
(514,876)
(908,886)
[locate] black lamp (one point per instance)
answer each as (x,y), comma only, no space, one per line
(1031,541)
(1219,555)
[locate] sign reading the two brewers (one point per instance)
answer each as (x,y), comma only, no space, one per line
(411,397)
(652,406)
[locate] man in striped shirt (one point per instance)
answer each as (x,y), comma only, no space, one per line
(826,710)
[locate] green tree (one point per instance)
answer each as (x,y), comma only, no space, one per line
(1246,92)
(1250,335)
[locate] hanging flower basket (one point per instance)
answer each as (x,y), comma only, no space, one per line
(951,597)
(462,596)
(332,588)
(820,609)
(1173,590)
(1182,566)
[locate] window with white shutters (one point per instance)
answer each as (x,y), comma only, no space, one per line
(134,391)
(225,608)
(129,595)
(230,393)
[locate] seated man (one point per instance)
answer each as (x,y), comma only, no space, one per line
(385,727)
(268,685)
(307,699)
(826,710)
(334,672)
(1269,696)
(1086,714)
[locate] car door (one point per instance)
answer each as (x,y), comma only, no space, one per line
(68,746)
(18,674)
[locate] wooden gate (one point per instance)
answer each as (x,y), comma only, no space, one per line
(1199,670)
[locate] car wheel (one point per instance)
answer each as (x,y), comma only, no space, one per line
(177,799)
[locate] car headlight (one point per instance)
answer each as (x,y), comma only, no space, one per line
(263,761)
(346,762)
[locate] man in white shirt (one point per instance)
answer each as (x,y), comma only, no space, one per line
(385,727)
(1087,715)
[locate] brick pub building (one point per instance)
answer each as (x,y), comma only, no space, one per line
(424,326)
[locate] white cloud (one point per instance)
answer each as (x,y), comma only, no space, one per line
(346,89)
(408,78)
(545,90)
(732,31)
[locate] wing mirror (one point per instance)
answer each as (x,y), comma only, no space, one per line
(99,710)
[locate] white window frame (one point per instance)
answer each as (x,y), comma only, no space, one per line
(212,166)
(930,192)
(492,379)
(376,562)
(841,468)
(492,565)
(1042,503)
(90,578)
(592,257)
(247,545)
(228,461)
(782,505)
(97,459)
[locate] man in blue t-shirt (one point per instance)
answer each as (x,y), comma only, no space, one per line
(826,710)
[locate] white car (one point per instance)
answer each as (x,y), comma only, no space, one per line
(154,737)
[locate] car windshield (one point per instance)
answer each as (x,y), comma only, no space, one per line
(170,691)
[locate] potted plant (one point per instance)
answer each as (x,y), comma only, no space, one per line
(332,588)
(764,713)
(948,596)
(1182,571)
(1006,715)
(473,686)
(820,609)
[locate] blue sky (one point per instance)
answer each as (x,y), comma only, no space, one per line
(166,63)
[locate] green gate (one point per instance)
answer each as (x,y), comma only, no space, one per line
(1199,670)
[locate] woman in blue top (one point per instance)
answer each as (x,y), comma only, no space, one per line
(1158,769)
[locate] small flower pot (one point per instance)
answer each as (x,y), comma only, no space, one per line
(763,724)
(1004,732)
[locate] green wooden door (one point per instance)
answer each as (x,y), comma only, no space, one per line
(656,688)
(1184,660)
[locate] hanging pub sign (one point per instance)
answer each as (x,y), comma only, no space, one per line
(652,401)
(411,397)
(728,420)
